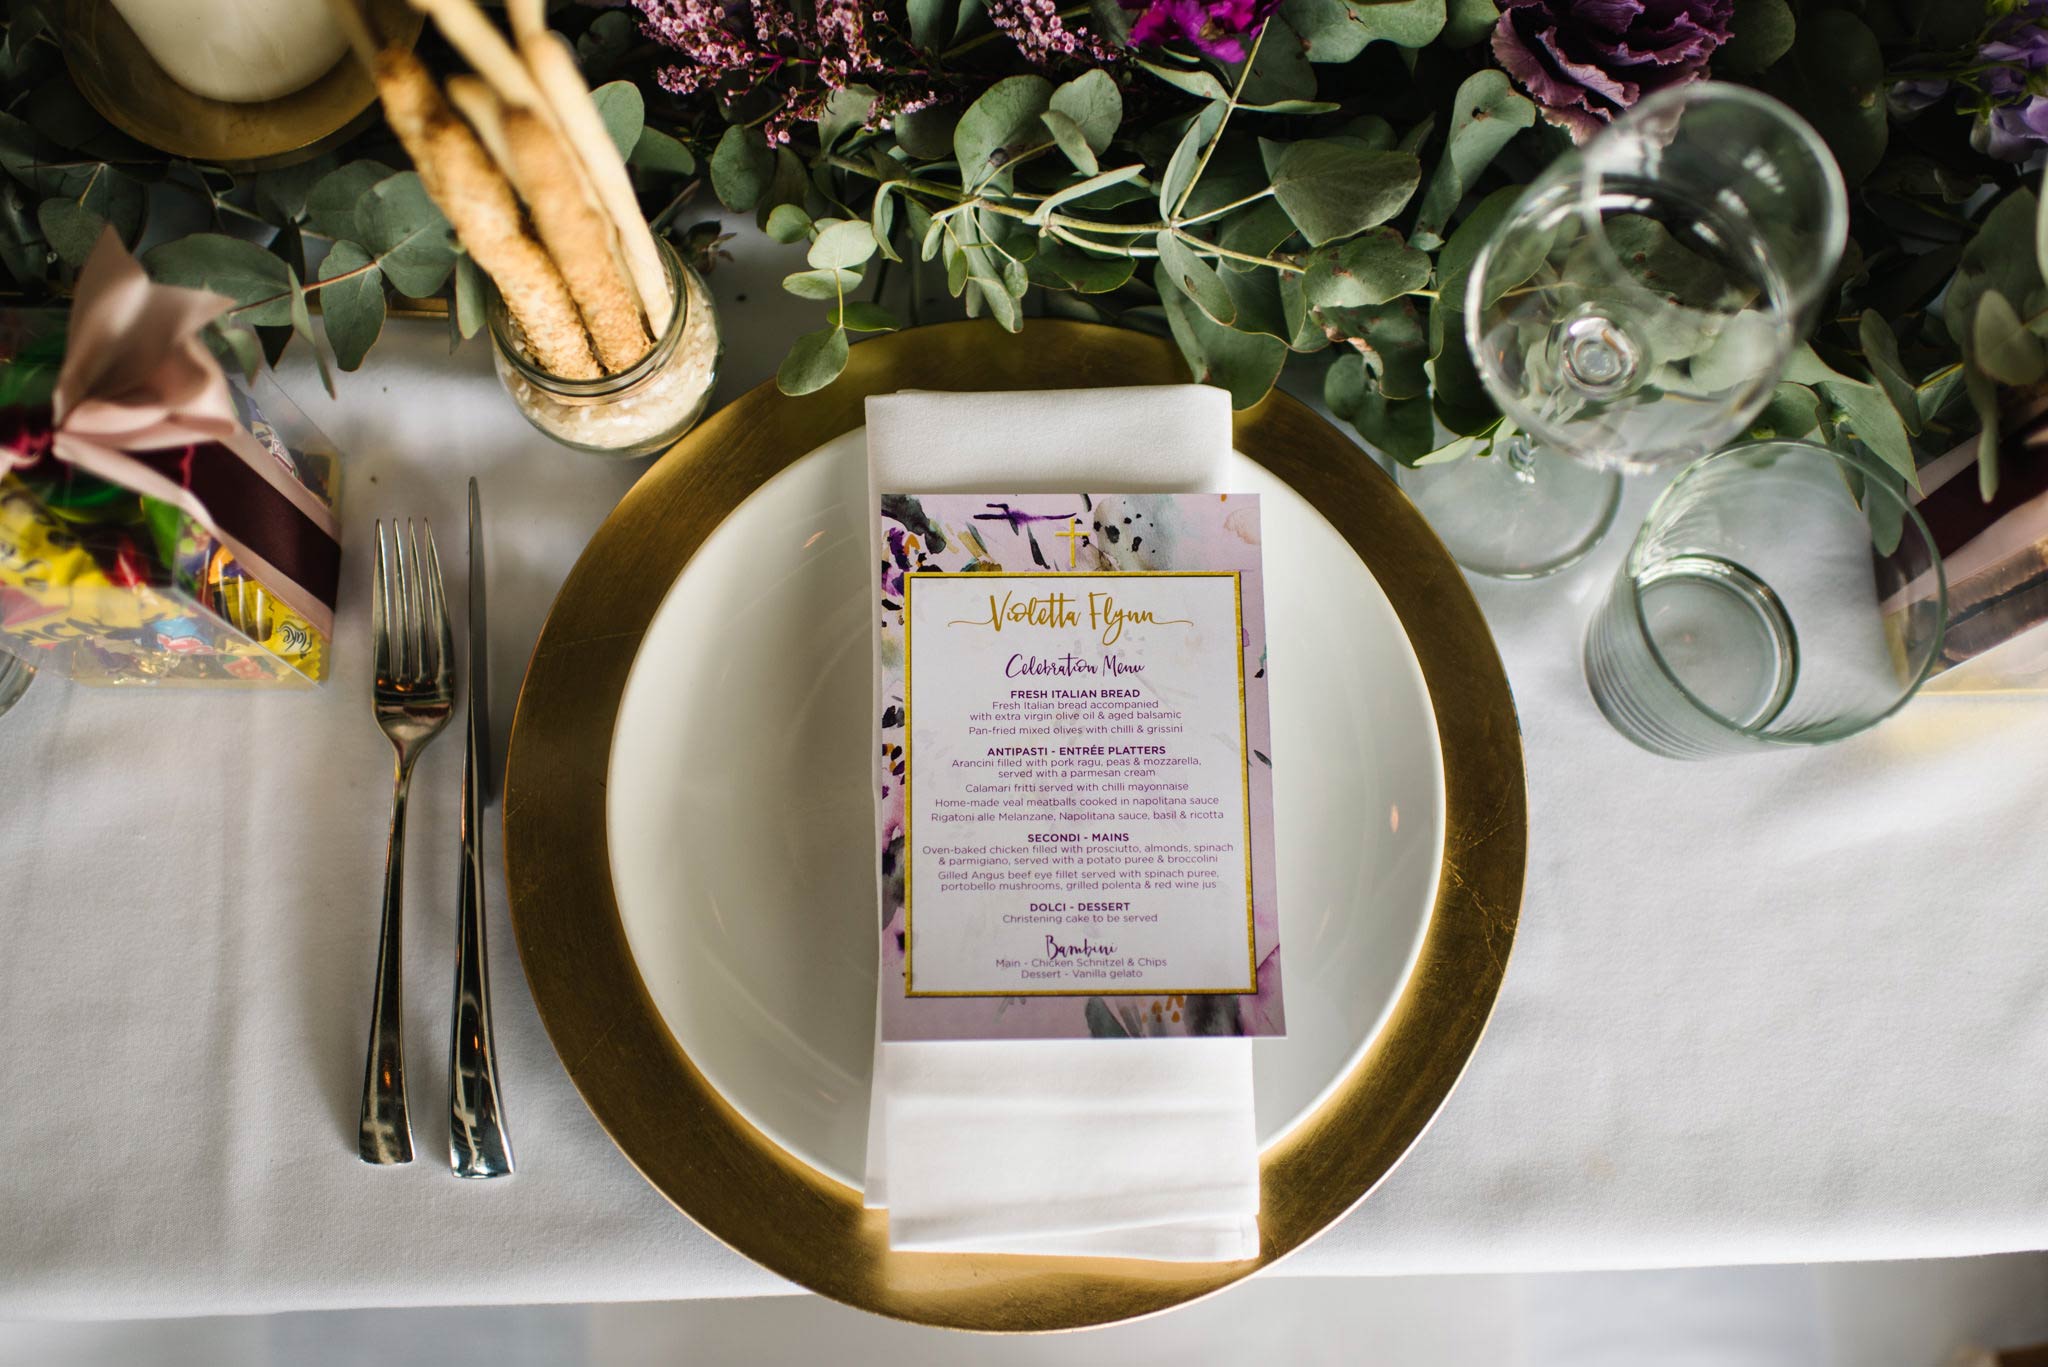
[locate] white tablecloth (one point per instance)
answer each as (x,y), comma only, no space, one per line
(1782,1008)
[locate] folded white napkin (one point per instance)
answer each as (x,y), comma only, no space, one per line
(1119,1148)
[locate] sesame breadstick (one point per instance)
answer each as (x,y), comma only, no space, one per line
(478,201)
(555,72)
(529,17)
(578,236)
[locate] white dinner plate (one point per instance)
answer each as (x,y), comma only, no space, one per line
(741,827)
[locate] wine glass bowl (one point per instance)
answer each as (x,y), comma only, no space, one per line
(1639,302)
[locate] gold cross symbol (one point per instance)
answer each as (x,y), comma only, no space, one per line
(1074,540)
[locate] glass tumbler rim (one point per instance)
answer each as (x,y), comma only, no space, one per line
(1874,476)
(499,320)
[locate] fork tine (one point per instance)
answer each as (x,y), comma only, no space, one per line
(415,614)
(441,639)
(380,630)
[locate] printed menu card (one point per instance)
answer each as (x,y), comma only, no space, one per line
(1077,802)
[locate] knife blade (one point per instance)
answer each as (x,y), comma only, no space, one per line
(478,1144)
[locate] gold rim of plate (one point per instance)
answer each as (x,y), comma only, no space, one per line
(119,78)
(742,1187)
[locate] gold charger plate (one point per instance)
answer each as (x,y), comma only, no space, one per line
(118,77)
(735,1181)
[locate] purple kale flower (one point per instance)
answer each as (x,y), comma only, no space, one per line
(2012,121)
(1585,61)
(1219,28)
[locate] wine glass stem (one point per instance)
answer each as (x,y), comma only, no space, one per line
(1521,457)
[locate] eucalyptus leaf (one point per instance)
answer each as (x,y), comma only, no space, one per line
(927,134)
(1094,104)
(1984,399)
(843,244)
(1835,75)
(1195,277)
(1003,119)
(1402,429)
(1203,85)
(1332,191)
(242,349)
(1870,417)
(1180,168)
(1369,269)
(1280,71)
(846,113)
(1052,202)
(1881,350)
(332,203)
(1391,339)
(2001,257)
(2041,237)
(929,21)
(882,218)
(353,308)
(658,152)
(1255,298)
(821,284)
(415,246)
(813,362)
(1486,114)
(1469,21)
(302,326)
(2001,345)
(788,223)
(1257,231)
(863,317)
(624,112)
(1792,412)
(789,183)
(1073,142)
(1760,32)
(741,167)
(280,195)
(258,282)
(1245,363)
(1062,267)
(70,228)
(469,297)
(1338,30)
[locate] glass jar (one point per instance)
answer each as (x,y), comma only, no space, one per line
(638,411)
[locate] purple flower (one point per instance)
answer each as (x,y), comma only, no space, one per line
(1219,28)
(2012,118)
(1585,61)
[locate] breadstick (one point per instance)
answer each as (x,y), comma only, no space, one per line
(484,48)
(529,17)
(478,201)
(561,83)
(577,236)
(475,101)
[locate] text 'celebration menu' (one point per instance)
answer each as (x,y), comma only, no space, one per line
(1075,784)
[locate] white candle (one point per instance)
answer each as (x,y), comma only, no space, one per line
(238,50)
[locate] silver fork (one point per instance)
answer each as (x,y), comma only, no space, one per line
(414,697)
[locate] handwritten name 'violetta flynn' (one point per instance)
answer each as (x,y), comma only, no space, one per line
(1062,611)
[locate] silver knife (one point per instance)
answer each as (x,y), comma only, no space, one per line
(477,1143)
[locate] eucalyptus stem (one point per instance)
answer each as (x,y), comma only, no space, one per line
(313,288)
(1233,205)
(1229,107)
(1204,247)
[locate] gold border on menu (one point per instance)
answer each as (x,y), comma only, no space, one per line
(1244,763)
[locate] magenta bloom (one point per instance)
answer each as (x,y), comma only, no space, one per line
(1219,28)
(1585,61)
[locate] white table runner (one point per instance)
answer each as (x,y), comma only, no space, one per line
(1777,1009)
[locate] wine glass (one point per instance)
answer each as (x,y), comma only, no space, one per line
(1635,308)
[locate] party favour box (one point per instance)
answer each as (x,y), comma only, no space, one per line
(157,525)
